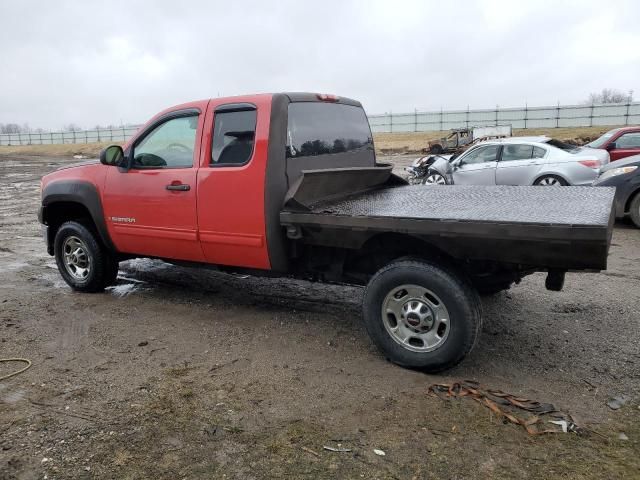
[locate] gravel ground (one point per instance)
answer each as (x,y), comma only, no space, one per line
(185,373)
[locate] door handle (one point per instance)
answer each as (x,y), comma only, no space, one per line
(180,187)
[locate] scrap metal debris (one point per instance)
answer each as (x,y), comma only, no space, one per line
(339,449)
(517,410)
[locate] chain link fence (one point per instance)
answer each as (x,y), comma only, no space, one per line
(527,117)
(118,134)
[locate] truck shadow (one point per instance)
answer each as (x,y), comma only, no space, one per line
(525,330)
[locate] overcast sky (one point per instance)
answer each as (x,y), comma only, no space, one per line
(109,62)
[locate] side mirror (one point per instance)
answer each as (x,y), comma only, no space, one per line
(612,146)
(112,156)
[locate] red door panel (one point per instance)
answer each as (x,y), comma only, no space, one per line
(150,209)
(231,199)
(145,218)
(618,153)
(627,144)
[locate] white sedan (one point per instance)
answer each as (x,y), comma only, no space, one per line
(519,161)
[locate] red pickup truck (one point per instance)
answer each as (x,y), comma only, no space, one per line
(620,142)
(288,185)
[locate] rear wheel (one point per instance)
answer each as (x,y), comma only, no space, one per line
(550,181)
(634,210)
(82,260)
(434,178)
(421,315)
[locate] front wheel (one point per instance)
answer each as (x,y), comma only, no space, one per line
(634,210)
(421,315)
(83,262)
(550,181)
(434,178)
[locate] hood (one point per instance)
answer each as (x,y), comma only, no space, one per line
(429,159)
(625,162)
(79,164)
(442,165)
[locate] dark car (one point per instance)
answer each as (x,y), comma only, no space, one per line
(625,176)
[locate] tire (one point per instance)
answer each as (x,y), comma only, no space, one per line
(434,178)
(437,148)
(82,260)
(550,181)
(634,210)
(407,286)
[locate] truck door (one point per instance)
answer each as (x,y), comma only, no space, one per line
(477,166)
(625,145)
(519,164)
(150,208)
(231,183)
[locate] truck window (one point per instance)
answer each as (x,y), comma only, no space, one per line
(319,128)
(233,137)
(628,140)
(169,145)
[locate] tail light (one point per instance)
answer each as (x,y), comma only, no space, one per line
(326,97)
(590,163)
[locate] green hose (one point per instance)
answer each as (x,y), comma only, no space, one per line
(24,360)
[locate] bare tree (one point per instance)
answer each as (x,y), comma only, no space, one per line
(609,95)
(10,128)
(71,127)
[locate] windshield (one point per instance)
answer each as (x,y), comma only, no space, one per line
(599,142)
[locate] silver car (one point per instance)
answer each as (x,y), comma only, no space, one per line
(519,161)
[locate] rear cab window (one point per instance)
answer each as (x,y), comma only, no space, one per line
(318,128)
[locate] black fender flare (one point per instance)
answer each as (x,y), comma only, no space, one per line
(80,192)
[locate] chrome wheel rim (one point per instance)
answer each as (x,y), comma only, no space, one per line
(75,256)
(415,318)
(549,182)
(435,179)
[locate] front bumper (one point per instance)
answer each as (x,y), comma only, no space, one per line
(619,183)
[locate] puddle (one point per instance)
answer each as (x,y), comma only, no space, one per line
(124,289)
(16,266)
(146,264)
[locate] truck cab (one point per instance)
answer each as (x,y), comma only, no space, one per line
(619,142)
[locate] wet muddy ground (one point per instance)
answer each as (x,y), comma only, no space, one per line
(188,373)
